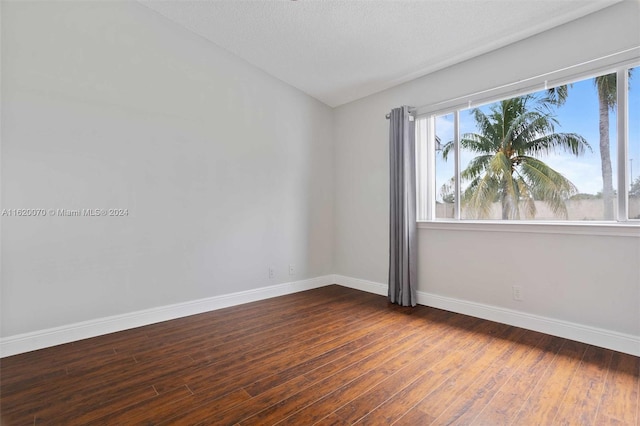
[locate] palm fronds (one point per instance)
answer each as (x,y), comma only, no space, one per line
(509,139)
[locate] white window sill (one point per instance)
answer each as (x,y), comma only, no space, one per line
(615,229)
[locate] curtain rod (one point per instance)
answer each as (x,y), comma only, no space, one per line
(411,111)
(531,79)
(411,117)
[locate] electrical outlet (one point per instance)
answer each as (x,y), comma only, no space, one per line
(517,293)
(272,272)
(292,270)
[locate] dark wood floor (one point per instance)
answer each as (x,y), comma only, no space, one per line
(330,356)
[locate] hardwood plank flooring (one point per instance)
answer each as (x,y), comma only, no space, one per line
(329,356)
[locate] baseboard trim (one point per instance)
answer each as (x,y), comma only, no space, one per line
(27,342)
(591,335)
(358,284)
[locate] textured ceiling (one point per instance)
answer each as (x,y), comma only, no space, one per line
(341,50)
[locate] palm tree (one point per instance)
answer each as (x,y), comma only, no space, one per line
(606,86)
(506,169)
(607,100)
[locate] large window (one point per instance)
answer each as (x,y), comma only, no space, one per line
(549,155)
(634,144)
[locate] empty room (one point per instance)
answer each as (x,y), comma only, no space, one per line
(331,212)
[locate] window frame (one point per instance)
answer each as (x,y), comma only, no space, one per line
(619,63)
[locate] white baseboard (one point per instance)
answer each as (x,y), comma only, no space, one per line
(26,342)
(591,335)
(358,284)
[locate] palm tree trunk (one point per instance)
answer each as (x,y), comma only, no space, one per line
(505,211)
(507,203)
(605,157)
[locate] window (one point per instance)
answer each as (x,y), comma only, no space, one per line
(634,144)
(548,155)
(445,170)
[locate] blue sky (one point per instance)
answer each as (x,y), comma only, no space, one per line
(578,115)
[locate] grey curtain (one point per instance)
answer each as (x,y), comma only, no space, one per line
(402,228)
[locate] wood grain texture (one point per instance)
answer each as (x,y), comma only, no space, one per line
(329,356)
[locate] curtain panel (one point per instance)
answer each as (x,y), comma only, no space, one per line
(402,227)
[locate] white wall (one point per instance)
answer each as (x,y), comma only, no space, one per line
(591,280)
(224,169)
